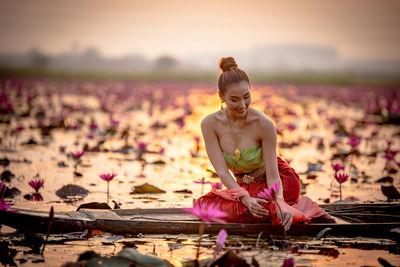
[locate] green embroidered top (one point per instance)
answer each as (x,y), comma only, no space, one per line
(250,158)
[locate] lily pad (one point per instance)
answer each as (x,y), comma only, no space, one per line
(146,188)
(71,190)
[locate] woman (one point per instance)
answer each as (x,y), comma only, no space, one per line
(242,139)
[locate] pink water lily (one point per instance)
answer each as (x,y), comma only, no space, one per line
(36,184)
(107,176)
(207,213)
(142,146)
(267,192)
(5,205)
(221,238)
(77,154)
(216,186)
(337,167)
(354,141)
(341,177)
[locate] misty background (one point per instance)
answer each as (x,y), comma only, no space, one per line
(318,36)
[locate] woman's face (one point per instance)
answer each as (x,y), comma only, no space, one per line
(237,98)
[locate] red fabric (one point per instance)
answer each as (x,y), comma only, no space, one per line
(303,208)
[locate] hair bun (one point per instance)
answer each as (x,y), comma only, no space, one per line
(227,63)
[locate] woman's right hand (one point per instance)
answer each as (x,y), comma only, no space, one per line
(253,204)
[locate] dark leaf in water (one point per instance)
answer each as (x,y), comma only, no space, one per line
(186,191)
(87,255)
(329,252)
(71,190)
(384,262)
(173,246)
(31,141)
(390,192)
(94,205)
(116,205)
(158,162)
(142,259)
(62,164)
(322,233)
(146,188)
(7,254)
(6,176)
(386,179)
(78,174)
(230,258)
(12,193)
(312,176)
(254,262)
(113,261)
(32,240)
(4,162)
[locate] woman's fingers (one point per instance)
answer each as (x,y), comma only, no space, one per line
(260,200)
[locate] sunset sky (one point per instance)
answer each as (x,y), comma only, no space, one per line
(357,29)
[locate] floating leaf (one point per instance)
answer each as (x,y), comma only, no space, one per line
(146,188)
(71,190)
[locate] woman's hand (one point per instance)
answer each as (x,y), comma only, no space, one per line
(287,219)
(253,204)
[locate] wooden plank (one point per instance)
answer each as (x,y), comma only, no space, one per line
(101,214)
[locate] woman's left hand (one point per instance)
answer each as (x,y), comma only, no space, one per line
(287,219)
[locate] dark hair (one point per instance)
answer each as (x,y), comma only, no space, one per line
(231,73)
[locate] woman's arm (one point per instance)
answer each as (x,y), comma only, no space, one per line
(268,136)
(215,154)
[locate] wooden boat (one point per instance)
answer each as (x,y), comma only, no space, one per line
(176,221)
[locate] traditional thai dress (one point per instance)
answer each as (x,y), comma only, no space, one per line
(251,162)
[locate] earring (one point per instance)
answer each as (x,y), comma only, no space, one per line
(222,107)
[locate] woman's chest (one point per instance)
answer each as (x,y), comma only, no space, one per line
(231,137)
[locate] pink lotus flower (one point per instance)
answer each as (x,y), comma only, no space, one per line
(107,176)
(93,126)
(341,177)
(206,213)
(142,146)
(267,192)
(354,141)
(337,167)
(216,186)
(221,238)
(20,128)
(36,184)
(291,127)
(90,136)
(5,205)
(77,154)
(113,122)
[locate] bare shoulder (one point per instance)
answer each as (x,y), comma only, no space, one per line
(260,118)
(210,120)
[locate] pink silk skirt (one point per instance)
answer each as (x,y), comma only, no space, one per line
(304,208)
